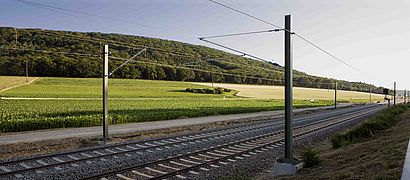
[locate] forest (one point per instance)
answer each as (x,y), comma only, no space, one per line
(79,54)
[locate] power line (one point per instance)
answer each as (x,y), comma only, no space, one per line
(222,73)
(49,7)
(82,54)
(112,42)
(159,64)
(244,54)
(87,14)
(200,70)
(49,52)
(328,53)
(234,50)
(228,62)
(44,7)
(260,68)
(298,35)
(272,70)
(97,16)
(246,14)
(240,34)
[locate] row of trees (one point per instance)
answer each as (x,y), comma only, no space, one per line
(208,64)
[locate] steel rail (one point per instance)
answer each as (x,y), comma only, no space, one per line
(275,142)
(348,118)
(220,130)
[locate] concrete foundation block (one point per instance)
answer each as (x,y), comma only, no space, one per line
(286,169)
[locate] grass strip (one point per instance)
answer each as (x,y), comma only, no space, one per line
(368,128)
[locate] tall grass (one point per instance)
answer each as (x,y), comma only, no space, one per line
(384,120)
(310,156)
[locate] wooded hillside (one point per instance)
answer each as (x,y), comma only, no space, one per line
(163,60)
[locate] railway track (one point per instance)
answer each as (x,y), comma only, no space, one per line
(213,157)
(23,168)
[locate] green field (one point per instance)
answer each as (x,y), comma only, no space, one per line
(78,103)
(92,88)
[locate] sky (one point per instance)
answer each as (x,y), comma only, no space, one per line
(373,36)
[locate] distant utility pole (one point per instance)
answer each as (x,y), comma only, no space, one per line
(26,71)
(288,90)
(105,93)
(370,92)
(394,94)
(335,95)
(212,77)
(15,45)
(405,95)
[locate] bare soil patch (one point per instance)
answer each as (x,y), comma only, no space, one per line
(10,82)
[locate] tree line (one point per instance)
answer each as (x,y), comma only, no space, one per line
(198,63)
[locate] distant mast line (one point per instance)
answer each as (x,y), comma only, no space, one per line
(220,73)
(98,56)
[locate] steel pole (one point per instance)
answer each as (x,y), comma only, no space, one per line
(394,95)
(15,30)
(335,95)
(370,95)
(26,71)
(212,77)
(288,88)
(105,93)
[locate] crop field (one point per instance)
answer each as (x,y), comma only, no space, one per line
(277,92)
(76,102)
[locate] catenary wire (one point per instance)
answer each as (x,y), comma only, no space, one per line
(69,53)
(159,64)
(113,42)
(49,52)
(234,50)
(240,34)
(99,16)
(246,14)
(200,70)
(298,35)
(220,73)
(44,7)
